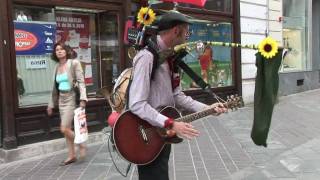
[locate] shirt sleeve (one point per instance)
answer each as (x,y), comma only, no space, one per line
(186,102)
(140,90)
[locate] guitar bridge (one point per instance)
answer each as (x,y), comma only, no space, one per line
(143,134)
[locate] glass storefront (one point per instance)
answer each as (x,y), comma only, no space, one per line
(295,35)
(92,34)
(212,63)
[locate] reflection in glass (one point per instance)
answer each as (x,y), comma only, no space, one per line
(212,63)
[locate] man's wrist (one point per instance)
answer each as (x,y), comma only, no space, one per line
(168,124)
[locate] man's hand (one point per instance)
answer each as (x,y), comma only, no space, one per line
(185,130)
(49,111)
(219,108)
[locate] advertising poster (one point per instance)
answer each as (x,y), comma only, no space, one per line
(211,63)
(73,30)
(34,38)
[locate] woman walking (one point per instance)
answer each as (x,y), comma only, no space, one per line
(66,72)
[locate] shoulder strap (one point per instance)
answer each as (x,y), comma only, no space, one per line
(154,49)
(55,77)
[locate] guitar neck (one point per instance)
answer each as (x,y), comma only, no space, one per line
(195,116)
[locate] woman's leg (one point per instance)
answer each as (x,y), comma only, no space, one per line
(69,135)
(204,74)
(82,150)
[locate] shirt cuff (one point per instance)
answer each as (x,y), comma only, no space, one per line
(168,124)
(161,119)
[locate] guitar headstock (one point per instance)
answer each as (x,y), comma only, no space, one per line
(234,102)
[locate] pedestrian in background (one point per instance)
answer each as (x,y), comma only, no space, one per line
(63,96)
(206,62)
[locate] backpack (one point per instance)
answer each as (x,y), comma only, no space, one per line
(118,99)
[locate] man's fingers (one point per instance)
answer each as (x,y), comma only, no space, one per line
(191,132)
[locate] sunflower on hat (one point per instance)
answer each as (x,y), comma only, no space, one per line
(146,16)
(268,47)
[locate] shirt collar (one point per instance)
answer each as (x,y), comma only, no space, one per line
(161,43)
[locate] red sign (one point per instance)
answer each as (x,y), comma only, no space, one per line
(24,40)
(194,2)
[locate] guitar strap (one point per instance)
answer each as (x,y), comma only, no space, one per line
(194,76)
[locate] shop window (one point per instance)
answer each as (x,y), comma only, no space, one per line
(36,31)
(214,5)
(212,63)
(295,35)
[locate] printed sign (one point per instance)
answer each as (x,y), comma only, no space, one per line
(34,38)
(73,30)
(36,63)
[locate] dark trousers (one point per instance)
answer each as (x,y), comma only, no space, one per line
(158,169)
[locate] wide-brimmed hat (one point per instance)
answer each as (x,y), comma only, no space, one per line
(171,19)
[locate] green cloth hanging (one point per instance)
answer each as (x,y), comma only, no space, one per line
(265,95)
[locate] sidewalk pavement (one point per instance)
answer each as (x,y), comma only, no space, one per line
(224,150)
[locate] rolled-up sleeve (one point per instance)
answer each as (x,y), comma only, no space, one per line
(140,90)
(186,102)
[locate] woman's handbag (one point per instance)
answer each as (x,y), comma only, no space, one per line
(77,91)
(80,126)
(75,85)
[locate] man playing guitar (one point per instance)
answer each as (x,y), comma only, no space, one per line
(147,96)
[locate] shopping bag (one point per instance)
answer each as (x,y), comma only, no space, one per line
(80,126)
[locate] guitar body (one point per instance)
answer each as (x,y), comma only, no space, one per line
(138,141)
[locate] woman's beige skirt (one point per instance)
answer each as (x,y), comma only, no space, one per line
(67,105)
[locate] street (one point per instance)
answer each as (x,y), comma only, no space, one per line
(224,150)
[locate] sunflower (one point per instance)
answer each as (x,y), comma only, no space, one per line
(268,47)
(145,18)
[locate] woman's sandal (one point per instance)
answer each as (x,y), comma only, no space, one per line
(64,163)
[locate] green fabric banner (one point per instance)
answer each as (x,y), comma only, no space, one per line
(265,95)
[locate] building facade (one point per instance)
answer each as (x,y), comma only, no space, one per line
(95,30)
(295,25)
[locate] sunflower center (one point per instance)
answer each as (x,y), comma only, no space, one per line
(146,17)
(267,47)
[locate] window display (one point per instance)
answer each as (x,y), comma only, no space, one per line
(295,34)
(36,29)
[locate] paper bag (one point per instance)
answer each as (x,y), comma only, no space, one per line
(80,126)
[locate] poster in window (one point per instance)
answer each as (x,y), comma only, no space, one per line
(73,30)
(34,38)
(212,63)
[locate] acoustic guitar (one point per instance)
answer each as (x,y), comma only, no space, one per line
(140,143)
